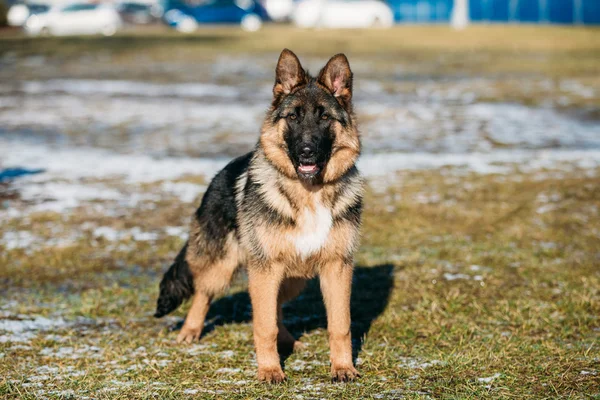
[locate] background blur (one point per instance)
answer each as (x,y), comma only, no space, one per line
(478,272)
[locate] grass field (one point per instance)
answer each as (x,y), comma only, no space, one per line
(468,284)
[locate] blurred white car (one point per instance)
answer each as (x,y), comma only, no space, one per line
(75,19)
(17,15)
(343,14)
(279,10)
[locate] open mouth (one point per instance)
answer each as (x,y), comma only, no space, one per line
(308,169)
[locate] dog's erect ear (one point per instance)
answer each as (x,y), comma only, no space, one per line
(289,73)
(337,77)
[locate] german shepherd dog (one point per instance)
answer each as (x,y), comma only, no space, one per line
(287,211)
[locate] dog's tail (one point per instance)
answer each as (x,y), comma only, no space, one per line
(176,286)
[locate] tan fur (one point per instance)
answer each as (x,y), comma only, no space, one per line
(342,239)
(336,284)
(277,265)
(264,285)
(346,149)
(210,279)
(271,140)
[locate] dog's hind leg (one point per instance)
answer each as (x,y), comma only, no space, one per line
(290,288)
(211,277)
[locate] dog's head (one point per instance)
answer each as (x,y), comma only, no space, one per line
(310,132)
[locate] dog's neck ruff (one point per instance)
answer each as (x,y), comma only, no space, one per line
(314,226)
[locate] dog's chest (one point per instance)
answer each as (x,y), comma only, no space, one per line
(312,230)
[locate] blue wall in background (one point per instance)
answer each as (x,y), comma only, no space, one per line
(526,11)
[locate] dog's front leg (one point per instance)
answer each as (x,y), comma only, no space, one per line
(336,285)
(264,284)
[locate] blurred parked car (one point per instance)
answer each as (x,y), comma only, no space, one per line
(139,13)
(75,19)
(18,13)
(185,16)
(343,14)
(278,10)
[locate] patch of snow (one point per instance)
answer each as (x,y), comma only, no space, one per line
(577,88)
(78,163)
(490,378)
(129,88)
(416,363)
(17,239)
(32,384)
(227,354)
(69,393)
(180,231)
(496,162)
(135,233)
(584,372)
(20,337)
(452,277)
(19,347)
(185,191)
(196,349)
(85,351)
(107,233)
(228,370)
(36,324)
(59,196)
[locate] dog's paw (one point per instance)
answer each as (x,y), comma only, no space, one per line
(271,375)
(344,374)
(188,335)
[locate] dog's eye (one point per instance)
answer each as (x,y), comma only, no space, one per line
(324,117)
(292,116)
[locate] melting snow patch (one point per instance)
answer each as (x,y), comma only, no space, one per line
(584,372)
(84,351)
(416,363)
(196,349)
(228,370)
(180,231)
(300,365)
(60,196)
(77,163)
(19,347)
(127,88)
(185,191)
(114,235)
(494,162)
(489,378)
(36,324)
(20,337)
(227,354)
(17,240)
(452,277)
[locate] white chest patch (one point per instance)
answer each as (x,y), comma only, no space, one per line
(313,230)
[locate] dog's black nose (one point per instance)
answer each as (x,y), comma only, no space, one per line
(308,151)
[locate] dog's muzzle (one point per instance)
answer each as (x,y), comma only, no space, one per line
(307,160)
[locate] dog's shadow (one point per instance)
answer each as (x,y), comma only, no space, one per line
(371,289)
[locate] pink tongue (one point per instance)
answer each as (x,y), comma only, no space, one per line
(307,168)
